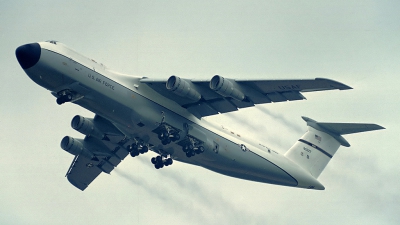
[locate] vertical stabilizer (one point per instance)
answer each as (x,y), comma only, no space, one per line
(316,147)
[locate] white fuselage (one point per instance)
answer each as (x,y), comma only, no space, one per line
(136,110)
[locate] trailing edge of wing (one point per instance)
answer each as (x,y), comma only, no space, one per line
(84,170)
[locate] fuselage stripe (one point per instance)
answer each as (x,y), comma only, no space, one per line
(316,147)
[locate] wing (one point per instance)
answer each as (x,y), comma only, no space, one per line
(84,170)
(221,95)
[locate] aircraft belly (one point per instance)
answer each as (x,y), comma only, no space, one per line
(251,167)
(230,160)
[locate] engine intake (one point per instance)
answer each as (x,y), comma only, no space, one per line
(183,88)
(86,126)
(98,127)
(76,147)
(226,88)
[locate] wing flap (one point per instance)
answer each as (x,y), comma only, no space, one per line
(83,170)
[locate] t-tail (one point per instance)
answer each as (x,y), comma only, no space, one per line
(316,147)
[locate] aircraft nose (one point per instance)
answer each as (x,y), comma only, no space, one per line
(28,55)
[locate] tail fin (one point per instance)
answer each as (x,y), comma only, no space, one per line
(315,148)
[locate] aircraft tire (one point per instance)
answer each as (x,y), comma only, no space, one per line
(134,153)
(200,150)
(176,137)
(169,161)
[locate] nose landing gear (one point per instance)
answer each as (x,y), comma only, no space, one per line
(64,96)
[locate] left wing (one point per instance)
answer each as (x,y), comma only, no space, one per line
(222,95)
(84,170)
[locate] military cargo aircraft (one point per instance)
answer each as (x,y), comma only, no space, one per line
(136,114)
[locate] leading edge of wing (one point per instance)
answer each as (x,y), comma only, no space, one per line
(203,97)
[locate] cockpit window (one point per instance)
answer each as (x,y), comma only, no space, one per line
(53,42)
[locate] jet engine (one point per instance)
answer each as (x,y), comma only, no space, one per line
(183,88)
(98,127)
(77,147)
(86,126)
(226,88)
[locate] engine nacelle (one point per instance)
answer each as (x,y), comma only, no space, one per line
(86,126)
(76,147)
(183,88)
(226,88)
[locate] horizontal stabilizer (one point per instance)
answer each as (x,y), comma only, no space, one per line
(349,128)
(338,129)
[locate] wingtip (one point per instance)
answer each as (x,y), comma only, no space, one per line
(336,84)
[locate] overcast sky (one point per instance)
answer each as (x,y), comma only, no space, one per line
(353,42)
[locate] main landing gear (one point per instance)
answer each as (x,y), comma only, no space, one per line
(161,161)
(137,148)
(167,134)
(192,147)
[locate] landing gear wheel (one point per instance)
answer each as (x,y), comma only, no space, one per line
(134,153)
(153,160)
(199,150)
(163,135)
(176,137)
(166,141)
(145,149)
(169,162)
(63,99)
(190,154)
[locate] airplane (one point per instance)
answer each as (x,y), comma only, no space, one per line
(136,114)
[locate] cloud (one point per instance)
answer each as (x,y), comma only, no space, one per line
(209,206)
(281,119)
(249,126)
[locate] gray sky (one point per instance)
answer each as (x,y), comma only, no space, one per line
(354,42)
